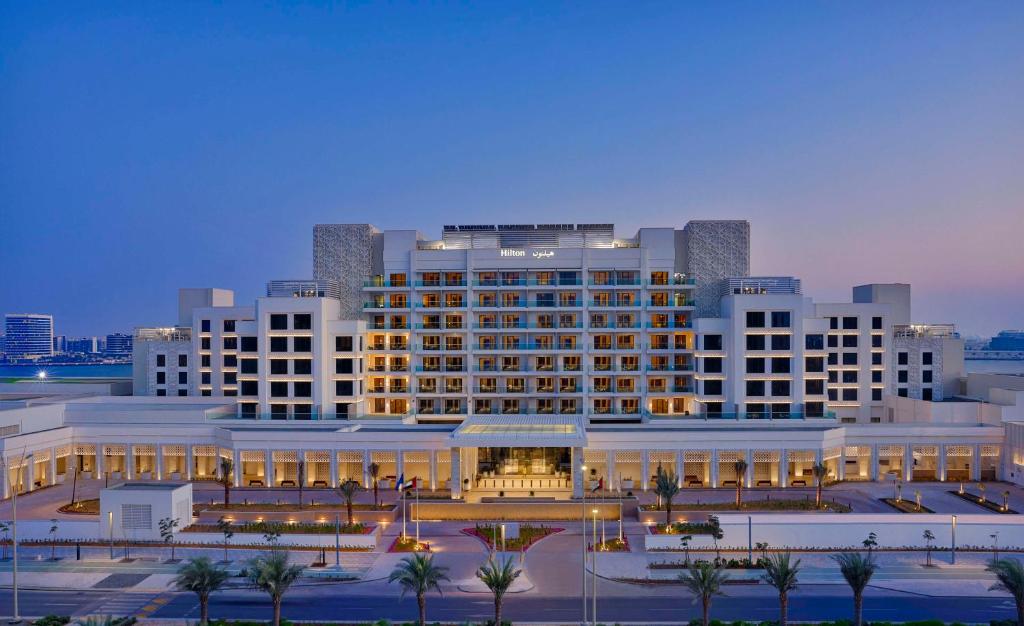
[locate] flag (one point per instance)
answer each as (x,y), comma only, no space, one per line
(410,485)
(600,486)
(400,482)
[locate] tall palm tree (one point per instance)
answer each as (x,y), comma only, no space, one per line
(273,574)
(820,472)
(498,579)
(374,474)
(857,569)
(1010,577)
(201,577)
(666,486)
(705,581)
(348,491)
(740,467)
(781,572)
(226,478)
(418,574)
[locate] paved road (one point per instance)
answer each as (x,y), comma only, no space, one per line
(824,602)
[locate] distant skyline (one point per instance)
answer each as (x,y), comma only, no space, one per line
(148,147)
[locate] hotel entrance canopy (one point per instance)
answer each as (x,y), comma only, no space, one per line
(520,431)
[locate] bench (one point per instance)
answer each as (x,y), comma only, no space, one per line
(319,483)
(764,483)
(287,483)
(255,483)
(799,483)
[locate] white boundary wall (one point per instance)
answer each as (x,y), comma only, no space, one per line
(367,541)
(848,530)
(67,530)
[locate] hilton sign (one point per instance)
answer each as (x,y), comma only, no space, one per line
(508,252)
(537,254)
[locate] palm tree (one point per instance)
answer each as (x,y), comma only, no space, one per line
(705,581)
(857,569)
(820,472)
(498,579)
(201,577)
(226,478)
(374,474)
(666,486)
(780,572)
(348,491)
(1010,577)
(929,537)
(273,574)
(300,477)
(418,574)
(740,467)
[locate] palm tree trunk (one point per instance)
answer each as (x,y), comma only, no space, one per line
(497,612)
(204,611)
(376,499)
(227,493)
(1020,609)
(739,496)
(668,513)
(817,500)
(783,608)
(348,509)
(421,600)
(858,608)
(707,609)
(277,611)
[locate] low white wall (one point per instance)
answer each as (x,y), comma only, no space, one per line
(848,530)
(367,541)
(67,530)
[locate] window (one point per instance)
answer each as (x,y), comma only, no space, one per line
(302,366)
(780,365)
(182,360)
(833,395)
(926,358)
(814,342)
(833,323)
(279,344)
(833,341)
(902,376)
(850,323)
(926,394)
(341,408)
(712,387)
(876,358)
(712,342)
(876,376)
(343,366)
(279,366)
(902,358)
(278,321)
(343,387)
(249,388)
(183,392)
(161,360)
(780,342)
(249,344)
(780,319)
(231,343)
(755,388)
(182,378)
(755,342)
(876,394)
(204,343)
(902,392)
(780,387)
(302,344)
(850,377)
(343,344)
(712,365)
(205,379)
(161,378)
(303,389)
(814,364)
(229,326)
(849,395)
(876,323)
(205,392)
(204,326)
(876,341)
(814,387)
(926,376)
(833,358)
(302,321)
(833,377)
(249,366)
(278,389)
(814,409)
(849,358)
(755,366)
(755,319)
(230,378)
(849,341)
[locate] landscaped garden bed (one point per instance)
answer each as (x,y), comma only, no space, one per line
(612,545)
(299,528)
(995,507)
(684,528)
(906,506)
(721,562)
(529,534)
(82,507)
(785,504)
(408,543)
(288,507)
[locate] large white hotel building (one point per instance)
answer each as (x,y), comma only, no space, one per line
(502,358)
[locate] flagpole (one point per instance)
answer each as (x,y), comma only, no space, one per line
(404,515)
(417,510)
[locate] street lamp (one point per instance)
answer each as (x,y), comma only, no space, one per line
(583,519)
(594,570)
(952,559)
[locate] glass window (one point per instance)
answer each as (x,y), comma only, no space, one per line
(876,323)
(755,319)
(229,326)
(755,366)
(302,321)
(755,342)
(850,323)
(279,344)
(712,342)
(780,319)
(849,358)
(182,360)
(278,321)
(343,344)
(780,342)
(926,358)
(814,342)
(204,325)
(902,358)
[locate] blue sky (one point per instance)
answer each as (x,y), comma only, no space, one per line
(147,146)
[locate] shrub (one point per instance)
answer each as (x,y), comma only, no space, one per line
(52,620)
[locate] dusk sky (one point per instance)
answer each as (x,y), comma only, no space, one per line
(149,146)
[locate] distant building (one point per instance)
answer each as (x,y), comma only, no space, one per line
(1008,340)
(29,335)
(118,344)
(60,344)
(83,345)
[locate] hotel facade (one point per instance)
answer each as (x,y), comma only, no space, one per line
(505,359)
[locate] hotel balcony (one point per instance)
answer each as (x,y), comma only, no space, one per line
(385,284)
(596,304)
(386,306)
(672,304)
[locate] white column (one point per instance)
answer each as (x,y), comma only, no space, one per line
(679,468)
(99,461)
(129,462)
(158,462)
(613,481)
(577,472)
(874,462)
(748,478)
(30,473)
(189,462)
(645,469)
(268,468)
(367,479)
(433,470)
(455,480)
(975,462)
(714,468)
(53,466)
(7,478)
(783,468)
(237,467)
(841,464)
(400,465)
(334,469)
(941,465)
(908,463)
